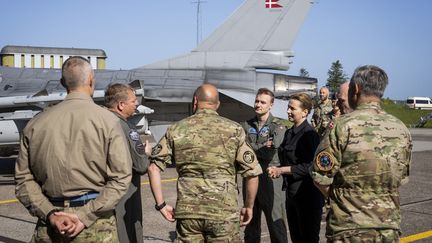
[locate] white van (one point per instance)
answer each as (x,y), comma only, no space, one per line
(421,103)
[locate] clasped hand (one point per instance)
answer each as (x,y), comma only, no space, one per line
(66,223)
(274,172)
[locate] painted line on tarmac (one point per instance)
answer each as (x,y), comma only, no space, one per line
(419,236)
(166,180)
(410,238)
(8,201)
(144,183)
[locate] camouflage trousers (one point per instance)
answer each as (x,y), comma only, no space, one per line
(368,236)
(205,230)
(102,230)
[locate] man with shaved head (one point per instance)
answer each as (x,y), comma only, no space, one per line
(208,151)
(320,118)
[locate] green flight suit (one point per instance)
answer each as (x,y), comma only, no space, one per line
(270,198)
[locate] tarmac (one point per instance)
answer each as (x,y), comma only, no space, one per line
(17,225)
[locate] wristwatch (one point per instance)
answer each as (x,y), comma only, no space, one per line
(159,207)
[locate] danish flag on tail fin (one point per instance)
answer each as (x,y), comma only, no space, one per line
(272,4)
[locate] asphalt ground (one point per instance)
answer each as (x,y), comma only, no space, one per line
(16,224)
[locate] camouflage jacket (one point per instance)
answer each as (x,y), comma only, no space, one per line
(364,159)
(321,118)
(208,151)
(272,129)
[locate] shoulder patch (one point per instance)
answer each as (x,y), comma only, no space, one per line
(248,157)
(252,130)
(156,149)
(264,132)
(325,161)
(134,135)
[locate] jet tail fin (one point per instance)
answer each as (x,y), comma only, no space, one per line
(259,34)
(259,25)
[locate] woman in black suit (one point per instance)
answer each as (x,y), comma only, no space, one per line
(304,201)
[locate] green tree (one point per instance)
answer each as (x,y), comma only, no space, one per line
(336,76)
(303,72)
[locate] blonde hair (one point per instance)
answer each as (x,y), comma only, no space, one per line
(304,99)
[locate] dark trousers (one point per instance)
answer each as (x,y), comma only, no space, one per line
(129,213)
(270,200)
(304,217)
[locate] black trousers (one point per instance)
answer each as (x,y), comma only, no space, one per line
(304,217)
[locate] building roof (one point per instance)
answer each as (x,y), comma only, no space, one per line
(9,49)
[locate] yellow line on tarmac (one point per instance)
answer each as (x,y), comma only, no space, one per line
(166,180)
(416,237)
(144,183)
(8,201)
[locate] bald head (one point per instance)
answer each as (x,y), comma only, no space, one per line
(77,73)
(324,93)
(206,96)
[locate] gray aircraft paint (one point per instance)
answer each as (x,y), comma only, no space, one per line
(253,37)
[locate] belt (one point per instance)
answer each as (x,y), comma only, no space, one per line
(77,201)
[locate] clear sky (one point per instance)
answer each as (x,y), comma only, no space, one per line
(393,34)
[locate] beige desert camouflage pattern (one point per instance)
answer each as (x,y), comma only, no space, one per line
(321,118)
(209,151)
(103,230)
(365,158)
(224,231)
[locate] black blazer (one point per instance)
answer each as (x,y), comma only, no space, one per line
(297,150)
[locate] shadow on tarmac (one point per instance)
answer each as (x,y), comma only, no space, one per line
(9,240)
(172,236)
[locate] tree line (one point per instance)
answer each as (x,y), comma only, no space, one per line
(336,76)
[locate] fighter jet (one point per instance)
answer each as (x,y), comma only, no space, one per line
(239,57)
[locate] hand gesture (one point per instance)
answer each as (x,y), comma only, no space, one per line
(245,216)
(274,172)
(78,225)
(62,224)
(147,148)
(168,212)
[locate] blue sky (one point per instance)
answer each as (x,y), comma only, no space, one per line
(393,34)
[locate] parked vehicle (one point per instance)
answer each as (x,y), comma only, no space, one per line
(421,103)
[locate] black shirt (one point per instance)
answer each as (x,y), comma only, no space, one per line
(297,150)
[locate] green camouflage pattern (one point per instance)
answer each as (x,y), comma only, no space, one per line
(190,230)
(369,236)
(321,116)
(364,159)
(208,151)
(103,229)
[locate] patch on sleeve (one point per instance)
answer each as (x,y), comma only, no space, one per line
(264,132)
(252,130)
(248,157)
(134,135)
(324,161)
(156,149)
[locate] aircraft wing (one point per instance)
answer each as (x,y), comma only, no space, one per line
(279,106)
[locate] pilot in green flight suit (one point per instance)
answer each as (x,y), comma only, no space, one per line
(265,133)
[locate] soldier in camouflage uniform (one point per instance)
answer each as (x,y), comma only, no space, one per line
(208,151)
(361,165)
(320,117)
(265,133)
(121,100)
